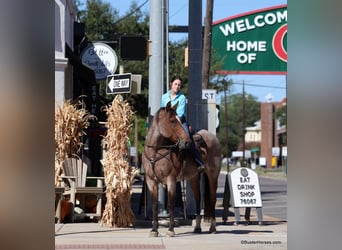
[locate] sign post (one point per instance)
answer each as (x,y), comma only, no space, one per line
(209,95)
(245,192)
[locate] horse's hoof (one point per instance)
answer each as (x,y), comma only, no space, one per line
(198,230)
(170,233)
(212,229)
(154,234)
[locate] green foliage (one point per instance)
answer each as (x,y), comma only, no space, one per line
(176,63)
(142,131)
(234,120)
(99,18)
(281,115)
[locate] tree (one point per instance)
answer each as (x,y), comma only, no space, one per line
(234,122)
(99,18)
(281,115)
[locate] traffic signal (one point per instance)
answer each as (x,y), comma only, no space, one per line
(133,48)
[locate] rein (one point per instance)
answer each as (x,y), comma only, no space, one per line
(164,146)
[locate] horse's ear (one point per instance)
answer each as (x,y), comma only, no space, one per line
(175,106)
(168,106)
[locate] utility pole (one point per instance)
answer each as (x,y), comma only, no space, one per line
(195,65)
(194,111)
(156,72)
(207,44)
(243,124)
(225,83)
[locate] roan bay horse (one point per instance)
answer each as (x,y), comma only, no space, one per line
(167,160)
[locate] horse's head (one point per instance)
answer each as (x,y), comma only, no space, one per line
(171,127)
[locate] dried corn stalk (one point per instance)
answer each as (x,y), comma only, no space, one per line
(118,173)
(70,122)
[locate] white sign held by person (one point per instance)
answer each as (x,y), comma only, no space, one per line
(245,188)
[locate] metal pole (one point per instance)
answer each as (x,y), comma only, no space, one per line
(167,73)
(156,68)
(195,64)
(194,112)
(207,43)
(243,124)
(156,62)
(225,83)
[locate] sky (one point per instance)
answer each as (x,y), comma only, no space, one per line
(260,86)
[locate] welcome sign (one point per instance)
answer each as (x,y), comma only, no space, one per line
(252,43)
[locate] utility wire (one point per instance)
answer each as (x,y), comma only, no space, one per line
(132,12)
(177,11)
(260,85)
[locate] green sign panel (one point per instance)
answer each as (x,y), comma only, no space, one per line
(252,43)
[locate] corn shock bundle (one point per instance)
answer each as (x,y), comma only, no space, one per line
(118,173)
(70,122)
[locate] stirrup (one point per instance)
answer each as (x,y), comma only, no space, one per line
(200,165)
(201,168)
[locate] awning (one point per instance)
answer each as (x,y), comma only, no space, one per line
(86,74)
(254,150)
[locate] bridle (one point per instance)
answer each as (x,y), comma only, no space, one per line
(154,160)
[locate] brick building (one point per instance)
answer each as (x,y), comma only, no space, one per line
(268,132)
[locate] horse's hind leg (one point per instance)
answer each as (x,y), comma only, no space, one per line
(212,228)
(195,186)
(212,202)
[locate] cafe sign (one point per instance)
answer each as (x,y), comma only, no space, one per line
(252,43)
(101,58)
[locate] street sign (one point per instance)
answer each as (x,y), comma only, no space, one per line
(209,95)
(275,151)
(119,83)
(245,188)
(284,151)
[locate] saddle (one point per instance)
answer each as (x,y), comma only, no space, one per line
(200,144)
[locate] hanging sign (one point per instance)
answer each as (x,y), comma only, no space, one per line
(101,58)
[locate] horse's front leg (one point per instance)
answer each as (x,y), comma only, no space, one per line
(171,192)
(154,230)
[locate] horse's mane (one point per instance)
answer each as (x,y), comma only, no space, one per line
(156,116)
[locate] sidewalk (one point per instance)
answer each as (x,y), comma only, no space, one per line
(272,234)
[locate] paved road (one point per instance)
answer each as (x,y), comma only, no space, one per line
(273,195)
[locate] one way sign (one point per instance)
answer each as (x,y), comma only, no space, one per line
(120,83)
